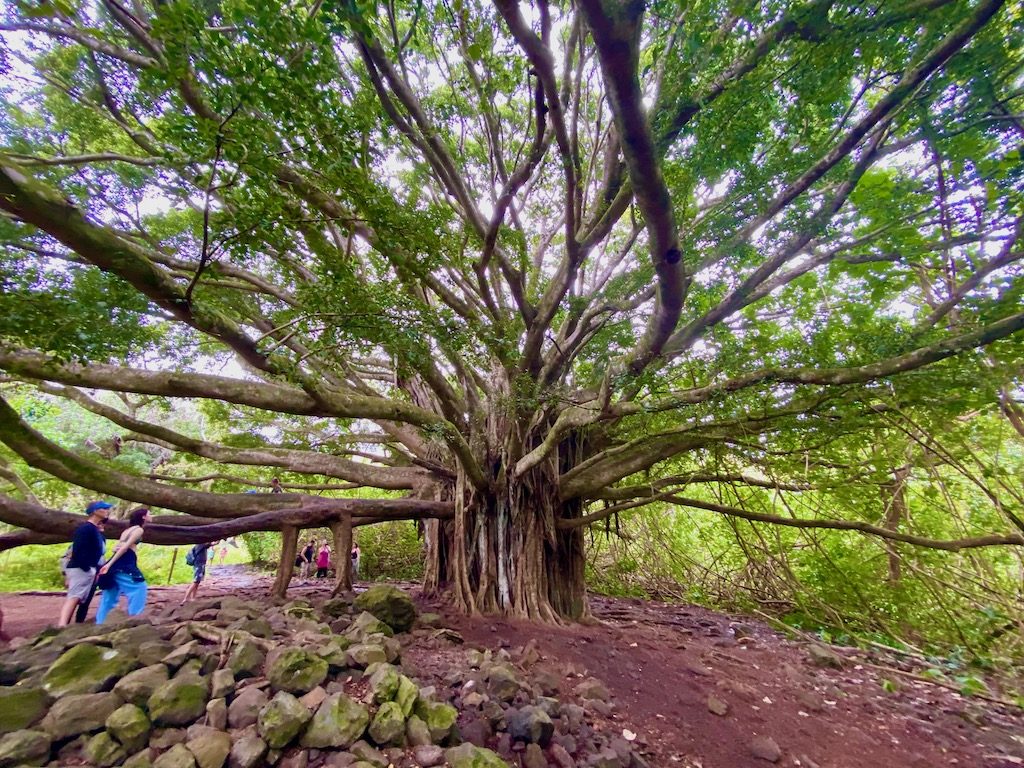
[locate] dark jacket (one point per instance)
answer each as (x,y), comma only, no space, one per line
(87,545)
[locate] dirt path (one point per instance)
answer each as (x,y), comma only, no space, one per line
(667,666)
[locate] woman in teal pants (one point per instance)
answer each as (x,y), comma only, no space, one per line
(124,578)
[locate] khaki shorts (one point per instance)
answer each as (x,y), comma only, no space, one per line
(80,582)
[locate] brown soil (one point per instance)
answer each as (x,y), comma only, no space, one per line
(661,663)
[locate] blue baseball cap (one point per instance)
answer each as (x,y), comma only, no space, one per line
(96,506)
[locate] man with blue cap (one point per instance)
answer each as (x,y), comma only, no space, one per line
(87,546)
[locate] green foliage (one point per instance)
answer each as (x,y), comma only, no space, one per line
(390,551)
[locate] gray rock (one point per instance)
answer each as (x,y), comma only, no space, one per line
(210,748)
(136,687)
(363,655)
(429,755)
(175,757)
(530,724)
(476,731)
(502,681)
(130,726)
(469,756)
(388,726)
(282,720)
(246,659)
(183,653)
(24,748)
(823,656)
(561,757)
(81,713)
(592,688)
(217,714)
(165,738)
(140,759)
(296,670)
(247,752)
(533,757)
(151,653)
(606,758)
(222,683)
(21,707)
(717,707)
(179,701)
(416,732)
(339,721)
(765,748)
(367,754)
(298,759)
(86,669)
(104,751)
(245,709)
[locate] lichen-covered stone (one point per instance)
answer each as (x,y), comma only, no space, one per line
(86,668)
(175,757)
(141,759)
(296,670)
(79,713)
(21,707)
(24,748)
(130,726)
(389,604)
(179,701)
(383,682)
(416,732)
(531,725)
(439,718)
(136,687)
(335,652)
(368,754)
(282,720)
(222,683)
(246,659)
(103,750)
(406,695)
(468,756)
(339,721)
(388,726)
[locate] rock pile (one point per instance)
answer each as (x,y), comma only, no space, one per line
(223,682)
(228,682)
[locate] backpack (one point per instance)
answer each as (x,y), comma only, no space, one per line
(64,560)
(190,556)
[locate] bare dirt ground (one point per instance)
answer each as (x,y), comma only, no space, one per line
(668,666)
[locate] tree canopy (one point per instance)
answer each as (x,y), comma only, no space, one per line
(511,268)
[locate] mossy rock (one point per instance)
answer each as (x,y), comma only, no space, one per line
(439,718)
(86,669)
(246,659)
(24,748)
(338,722)
(363,655)
(383,682)
(79,713)
(130,725)
(296,670)
(282,719)
(367,624)
(388,726)
(179,701)
(21,707)
(389,604)
(469,756)
(177,756)
(210,748)
(103,750)
(136,687)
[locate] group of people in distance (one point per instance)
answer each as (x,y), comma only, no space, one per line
(310,555)
(85,569)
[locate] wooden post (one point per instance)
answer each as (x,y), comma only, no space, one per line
(285,566)
(174,558)
(342,530)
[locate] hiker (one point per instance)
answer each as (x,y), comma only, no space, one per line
(275,486)
(323,560)
(199,555)
(87,546)
(355,560)
(223,551)
(82,612)
(307,559)
(120,575)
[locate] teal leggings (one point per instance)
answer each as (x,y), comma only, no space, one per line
(135,591)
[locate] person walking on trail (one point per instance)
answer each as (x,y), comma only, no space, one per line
(323,560)
(120,575)
(275,486)
(87,546)
(307,559)
(355,560)
(198,555)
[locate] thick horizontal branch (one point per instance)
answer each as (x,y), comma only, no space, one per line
(955,545)
(49,526)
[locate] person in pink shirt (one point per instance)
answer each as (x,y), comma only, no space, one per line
(323,560)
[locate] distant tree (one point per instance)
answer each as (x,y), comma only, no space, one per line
(528,265)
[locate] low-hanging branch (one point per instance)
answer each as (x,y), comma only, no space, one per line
(955,545)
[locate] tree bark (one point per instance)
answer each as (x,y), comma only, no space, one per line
(286,565)
(894,496)
(342,531)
